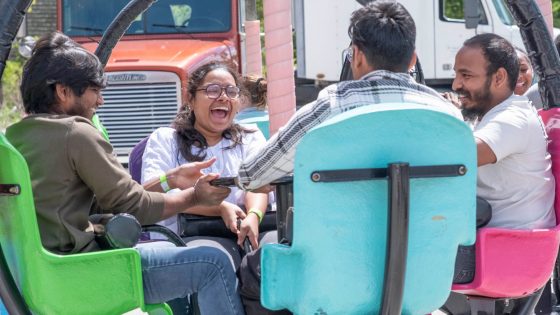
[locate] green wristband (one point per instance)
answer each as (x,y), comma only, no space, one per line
(258,213)
(163,182)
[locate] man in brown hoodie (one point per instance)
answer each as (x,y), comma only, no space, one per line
(74,174)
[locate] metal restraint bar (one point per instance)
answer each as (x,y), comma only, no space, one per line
(284,201)
(383,173)
(397,238)
(398,175)
(9,189)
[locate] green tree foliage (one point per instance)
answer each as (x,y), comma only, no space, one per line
(556,12)
(260,10)
(11,109)
(11,106)
(454,10)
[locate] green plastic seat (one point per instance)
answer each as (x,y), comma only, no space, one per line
(104,282)
(337,261)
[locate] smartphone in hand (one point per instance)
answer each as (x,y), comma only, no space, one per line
(224,181)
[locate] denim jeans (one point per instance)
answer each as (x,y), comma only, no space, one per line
(225,245)
(171,272)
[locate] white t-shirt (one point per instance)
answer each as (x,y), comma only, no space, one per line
(520,185)
(162,154)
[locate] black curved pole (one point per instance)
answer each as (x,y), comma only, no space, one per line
(397,238)
(11,17)
(540,48)
(11,297)
(118,27)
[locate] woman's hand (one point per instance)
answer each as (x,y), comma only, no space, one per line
(186,175)
(249,228)
(230,213)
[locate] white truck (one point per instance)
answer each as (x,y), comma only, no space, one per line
(321,34)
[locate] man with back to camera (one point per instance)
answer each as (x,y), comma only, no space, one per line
(383,50)
(74,174)
(514,173)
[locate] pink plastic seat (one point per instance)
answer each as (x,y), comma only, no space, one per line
(516,263)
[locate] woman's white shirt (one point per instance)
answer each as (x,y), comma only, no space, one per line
(162,154)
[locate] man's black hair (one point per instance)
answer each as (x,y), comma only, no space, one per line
(499,53)
(385,32)
(57,59)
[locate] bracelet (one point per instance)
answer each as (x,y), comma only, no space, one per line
(163,182)
(258,213)
(194,192)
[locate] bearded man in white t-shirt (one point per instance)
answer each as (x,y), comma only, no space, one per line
(514,173)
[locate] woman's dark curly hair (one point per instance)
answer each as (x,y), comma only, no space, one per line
(187,135)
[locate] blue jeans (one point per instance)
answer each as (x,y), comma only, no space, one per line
(171,272)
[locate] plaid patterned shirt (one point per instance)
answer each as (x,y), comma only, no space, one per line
(276,158)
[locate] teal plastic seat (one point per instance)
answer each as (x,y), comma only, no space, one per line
(104,282)
(336,263)
(255,116)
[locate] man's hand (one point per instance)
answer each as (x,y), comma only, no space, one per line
(249,228)
(208,195)
(230,213)
(453,98)
(186,175)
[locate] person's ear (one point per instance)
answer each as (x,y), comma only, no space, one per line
(412,62)
(360,65)
(190,99)
(63,95)
(500,78)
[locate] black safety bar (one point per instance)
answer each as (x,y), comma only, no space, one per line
(397,238)
(119,26)
(284,201)
(383,173)
(166,232)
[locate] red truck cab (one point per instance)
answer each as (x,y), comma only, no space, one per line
(148,69)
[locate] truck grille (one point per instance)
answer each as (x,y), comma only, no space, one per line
(132,110)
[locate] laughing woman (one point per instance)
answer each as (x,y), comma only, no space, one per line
(205,130)
(525,79)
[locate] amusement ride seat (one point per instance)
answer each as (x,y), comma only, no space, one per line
(517,263)
(103,282)
(383,196)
